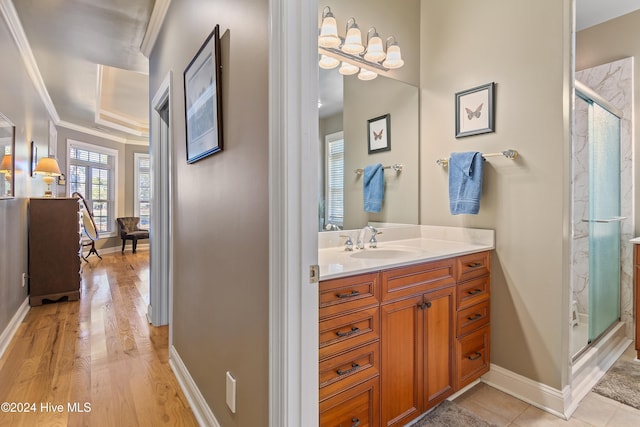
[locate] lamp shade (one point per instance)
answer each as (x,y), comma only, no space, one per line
(375,50)
(367,74)
(394,57)
(329,30)
(5,166)
(347,69)
(47,166)
(328,62)
(353,40)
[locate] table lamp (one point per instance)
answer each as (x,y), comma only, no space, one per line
(48,167)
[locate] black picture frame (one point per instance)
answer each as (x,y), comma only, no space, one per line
(33,159)
(379,133)
(475,110)
(203,100)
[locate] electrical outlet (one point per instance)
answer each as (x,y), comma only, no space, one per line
(24,279)
(231,392)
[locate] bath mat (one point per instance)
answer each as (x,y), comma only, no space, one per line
(621,383)
(448,414)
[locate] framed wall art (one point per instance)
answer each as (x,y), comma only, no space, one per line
(33,161)
(203,100)
(378,131)
(475,111)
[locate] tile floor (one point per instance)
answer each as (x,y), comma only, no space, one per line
(502,409)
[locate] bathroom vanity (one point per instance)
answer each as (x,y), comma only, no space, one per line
(402,326)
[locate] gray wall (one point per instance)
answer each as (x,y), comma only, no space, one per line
(607,42)
(21,104)
(220,237)
(467,44)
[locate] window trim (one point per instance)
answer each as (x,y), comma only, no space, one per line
(328,139)
(114,191)
(136,181)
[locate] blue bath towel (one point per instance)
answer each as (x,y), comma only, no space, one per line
(373,187)
(465,182)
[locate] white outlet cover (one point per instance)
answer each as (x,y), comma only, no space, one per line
(231,392)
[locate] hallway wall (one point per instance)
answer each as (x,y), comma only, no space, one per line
(221,208)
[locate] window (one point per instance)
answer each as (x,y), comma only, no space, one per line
(142,198)
(92,173)
(334,211)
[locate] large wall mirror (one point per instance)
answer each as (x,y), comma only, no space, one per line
(346,104)
(8,163)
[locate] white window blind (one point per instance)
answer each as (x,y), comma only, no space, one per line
(142,202)
(334,211)
(92,174)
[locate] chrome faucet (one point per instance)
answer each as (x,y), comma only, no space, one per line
(373,243)
(348,244)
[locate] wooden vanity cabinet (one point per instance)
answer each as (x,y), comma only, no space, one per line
(395,343)
(417,341)
(636,283)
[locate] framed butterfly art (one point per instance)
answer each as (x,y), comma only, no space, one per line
(475,111)
(378,130)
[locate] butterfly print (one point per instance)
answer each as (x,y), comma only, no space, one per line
(471,114)
(377,136)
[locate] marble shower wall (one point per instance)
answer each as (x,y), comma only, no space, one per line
(612,81)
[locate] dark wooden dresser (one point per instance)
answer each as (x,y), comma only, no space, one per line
(54,246)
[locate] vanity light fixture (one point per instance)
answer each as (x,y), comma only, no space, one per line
(350,50)
(48,166)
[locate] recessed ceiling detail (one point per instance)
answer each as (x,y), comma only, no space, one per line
(122,100)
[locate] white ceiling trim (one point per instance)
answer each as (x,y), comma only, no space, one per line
(93,132)
(101,120)
(156,20)
(10,16)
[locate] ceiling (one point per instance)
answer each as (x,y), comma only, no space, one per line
(89,58)
(88,54)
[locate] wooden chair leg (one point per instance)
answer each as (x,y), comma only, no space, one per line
(123,242)
(134,242)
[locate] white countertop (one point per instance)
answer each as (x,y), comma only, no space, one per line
(398,245)
(635,241)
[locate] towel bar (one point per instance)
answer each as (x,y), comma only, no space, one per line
(509,154)
(397,167)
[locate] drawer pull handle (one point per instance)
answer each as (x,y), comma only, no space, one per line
(475,356)
(355,421)
(354,366)
(474,317)
(474,265)
(353,330)
(424,305)
(349,295)
(474,292)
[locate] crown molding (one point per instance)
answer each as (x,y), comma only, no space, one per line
(89,131)
(156,20)
(10,16)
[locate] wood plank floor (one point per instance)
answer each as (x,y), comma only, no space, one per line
(98,358)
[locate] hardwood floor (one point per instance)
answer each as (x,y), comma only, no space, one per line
(94,362)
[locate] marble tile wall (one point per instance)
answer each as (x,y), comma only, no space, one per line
(612,81)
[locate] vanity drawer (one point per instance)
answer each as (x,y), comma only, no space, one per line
(472,292)
(415,279)
(357,406)
(472,318)
(472,356)
(344,332)
(348,293)
(348,369)
(472,265)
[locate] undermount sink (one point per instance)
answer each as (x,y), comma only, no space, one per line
(381,253)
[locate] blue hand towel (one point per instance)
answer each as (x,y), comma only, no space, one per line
(373,187)
(465,182)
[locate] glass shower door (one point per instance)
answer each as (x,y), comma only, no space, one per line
(604,220)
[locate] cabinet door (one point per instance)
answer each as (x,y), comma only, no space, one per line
(401,358)
(438,344)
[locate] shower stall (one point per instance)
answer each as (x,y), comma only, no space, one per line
(597,218)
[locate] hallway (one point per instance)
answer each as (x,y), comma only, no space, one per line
(96,361)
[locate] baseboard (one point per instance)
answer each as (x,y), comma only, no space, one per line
(12,327)
(537,394)
(199,406)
